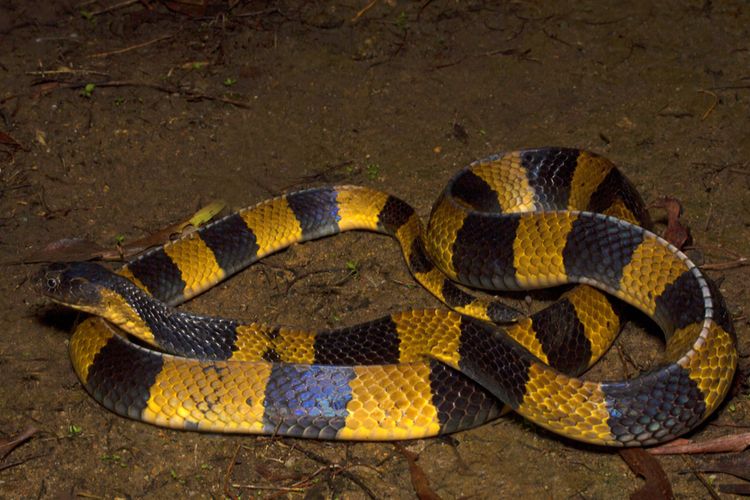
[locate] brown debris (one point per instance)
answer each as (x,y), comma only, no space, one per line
(459,133)
(418,477)
(676,233)
(641,463)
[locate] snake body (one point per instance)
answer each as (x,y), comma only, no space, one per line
(514,221)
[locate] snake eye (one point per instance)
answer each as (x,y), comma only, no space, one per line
(53,282)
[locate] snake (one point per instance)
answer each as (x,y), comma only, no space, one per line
(514,221)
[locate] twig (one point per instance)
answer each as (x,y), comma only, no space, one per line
(725,444)
(258,12)
(607,21)
(734,426)
(86,494)
(730,87)
(449,64)
(161,88)
(709,214)
(298,278)
(114,7)
(422,8)
(307,481)
(627,360)
(719,248)
(20,462)
(556,38)
(228,474)
(699,475)
(713,104)
(732,264)
(344,473)
(287,489)
(132,47)
(7,446)
(363,10)
(707,485)
(66,71)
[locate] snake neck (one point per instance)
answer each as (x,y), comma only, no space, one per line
(164,327)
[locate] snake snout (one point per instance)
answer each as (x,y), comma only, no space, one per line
(70,283)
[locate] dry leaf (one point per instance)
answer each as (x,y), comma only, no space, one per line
(9,141)
(206,213)
(41,137)
(78,249)
(657,485)
(676,233)
(418,477)
(66,250)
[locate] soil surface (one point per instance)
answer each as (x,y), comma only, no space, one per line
(269,97)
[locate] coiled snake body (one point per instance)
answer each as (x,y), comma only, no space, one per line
(515,221)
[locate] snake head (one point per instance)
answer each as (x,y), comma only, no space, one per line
(75,284)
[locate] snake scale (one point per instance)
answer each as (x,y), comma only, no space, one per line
(521,220)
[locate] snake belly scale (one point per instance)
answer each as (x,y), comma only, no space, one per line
(514,221)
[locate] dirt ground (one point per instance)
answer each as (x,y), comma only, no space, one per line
(268,97)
